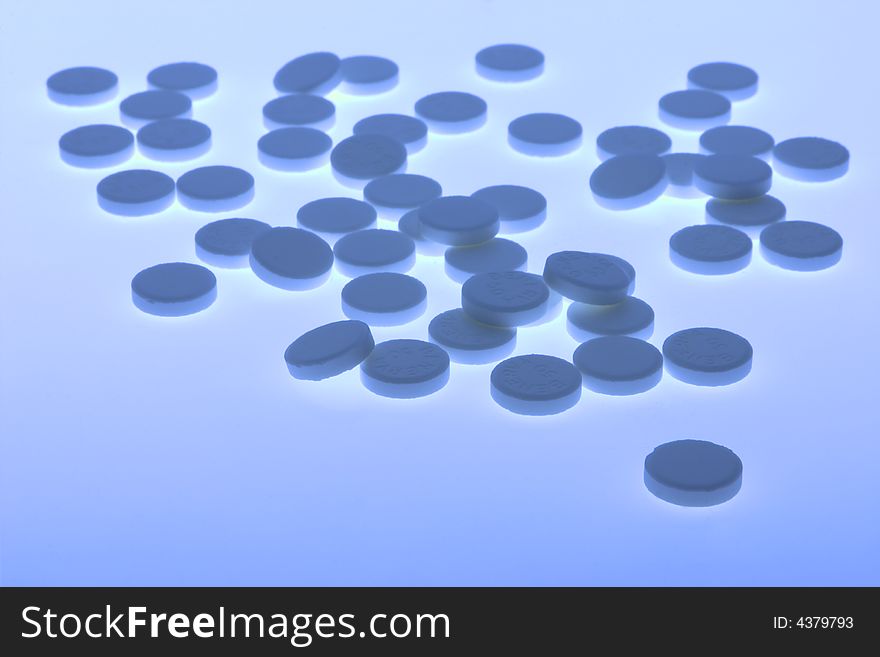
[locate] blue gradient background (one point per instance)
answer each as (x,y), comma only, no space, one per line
(143,450)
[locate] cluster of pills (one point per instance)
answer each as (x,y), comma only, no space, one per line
(498,295)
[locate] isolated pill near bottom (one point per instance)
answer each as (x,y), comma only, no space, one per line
(693,473)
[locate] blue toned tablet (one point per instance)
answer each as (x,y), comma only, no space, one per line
(227,242)
(366,251)
(737,140)
(408,130)
(619,365)
(174,289)
(497,254)
(680,174)
(535,384)
(174,140)
(192,78)
(148,106)
(544,134)
(368,74)
(358,159)
(215,188)
(82,85)
(510,62)
(801,245)
(631,317)
(693,473)
(452,111)
(294,149)
(136,192)
(335,216)
(291,258)
(811,159)
(707,356)
(593,278)
(384,298)
(405,369)
(509,298)
(734,81)
(299,110)
(315,73)
(625,182)
(750,216)
(397,193)
(96,146)
(411,225)
(519,208)
(329,350)
(694,109)
(710,249)
(459,220)
(468,341)
(632,140)
(733,177)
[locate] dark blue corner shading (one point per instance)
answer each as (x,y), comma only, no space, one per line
(801,245)
(366,251)
(509,298)
(750,216)
(510,62)
(329,350)
(680,174)
(544,134)
(384,298)
(619,365)
(734,81)
(148,106)
(710,249)
(174,139)
(625,182)
(227,242)
(336,215)
(811,159)
(733,177)
(593,278)
(535,384)
(173,289)
(458,220)
(399,192)
(694,109)
(408,130)
(192,78)
(632,140)
(631,317)
(452,111)
(294,149)
(368,74)
(405,369)
(315,73)
(215,188)
(737,140)
(519,208)
(497,254)
(82,85)
(707,356)
(693,473)
(136,192)
(410,224)
(291,258)
(96,146)
(360,158)
(299,110)
(468,341)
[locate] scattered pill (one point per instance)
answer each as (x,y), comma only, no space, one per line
(384,298)
(360,158)
(329,350)
(811,159)
(173,289)
(497,254)
(707,356)
(680,174)
(299,110)
(397,193)
(519,208)
(294,149)
(625,182)
(544,134)
(468,341)
(632,317)
(291,258)
(411,225)
(510,298)
(593,278)
(96,146)
(405,369)
(510,62)
(694,109)
(632,140)
(693,473)
(192,78)
(459,220)
(368,74)
(136,192)
(619,365)
(408,130)
(736,140)
(733,177)
(82,85)
(148,106)
(734,81)
(750,216)
(710,249)
(227,242)
(335,216)
(801,245)
(536,384)
(215,188)
(314,73)
(452,111)
(174,139)
(366,251)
